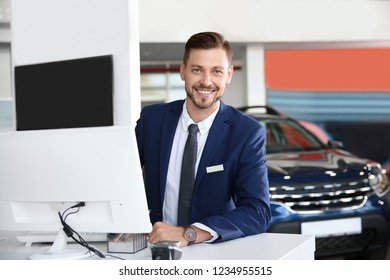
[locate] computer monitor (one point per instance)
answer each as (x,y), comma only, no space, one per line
(65,94)
(43,172)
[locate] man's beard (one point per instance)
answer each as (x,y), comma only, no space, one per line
(201,104)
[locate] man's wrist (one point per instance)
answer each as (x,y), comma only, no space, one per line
(190,234)
(205,233)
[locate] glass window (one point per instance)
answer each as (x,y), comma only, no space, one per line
(161,83)
(285,135)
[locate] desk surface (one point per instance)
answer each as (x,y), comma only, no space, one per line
(266,246)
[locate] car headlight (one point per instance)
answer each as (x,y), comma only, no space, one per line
(379,182)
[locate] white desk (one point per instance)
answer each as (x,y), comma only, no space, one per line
(266,246)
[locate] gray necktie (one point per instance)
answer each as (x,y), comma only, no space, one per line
(187,178)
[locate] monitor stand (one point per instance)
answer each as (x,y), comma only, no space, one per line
(58,251)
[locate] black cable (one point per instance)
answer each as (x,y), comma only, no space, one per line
(71,213)
(70,232)
(115,257)
(78,205)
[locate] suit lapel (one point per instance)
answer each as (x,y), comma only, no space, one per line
(216,135)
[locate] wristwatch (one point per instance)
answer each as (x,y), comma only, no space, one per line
(190,234)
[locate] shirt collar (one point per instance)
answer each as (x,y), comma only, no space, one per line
(204,126)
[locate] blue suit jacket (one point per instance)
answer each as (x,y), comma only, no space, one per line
(233,202)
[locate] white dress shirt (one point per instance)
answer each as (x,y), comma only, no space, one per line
(171,198)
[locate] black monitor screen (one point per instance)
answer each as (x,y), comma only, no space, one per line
(65,94)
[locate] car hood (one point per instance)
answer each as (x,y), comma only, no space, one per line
(319,166)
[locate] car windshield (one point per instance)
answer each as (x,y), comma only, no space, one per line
(284,135)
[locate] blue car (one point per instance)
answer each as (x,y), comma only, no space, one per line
(318,188)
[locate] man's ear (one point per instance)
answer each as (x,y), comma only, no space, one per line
(182,71)
(230,74)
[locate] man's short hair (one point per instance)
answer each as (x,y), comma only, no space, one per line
(207,40)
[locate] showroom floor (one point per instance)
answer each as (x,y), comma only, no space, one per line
(341,258)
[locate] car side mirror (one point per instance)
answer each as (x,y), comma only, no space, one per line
(335,144)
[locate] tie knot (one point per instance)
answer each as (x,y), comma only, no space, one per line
(193,128)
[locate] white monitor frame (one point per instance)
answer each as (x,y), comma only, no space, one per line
(43,172)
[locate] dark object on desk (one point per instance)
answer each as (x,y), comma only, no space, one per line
(166,250)
(126,242)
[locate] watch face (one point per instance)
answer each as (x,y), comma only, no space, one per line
(190,234)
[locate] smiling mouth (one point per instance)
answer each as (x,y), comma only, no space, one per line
(203,91)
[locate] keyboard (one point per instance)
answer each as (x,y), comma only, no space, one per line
(30,238)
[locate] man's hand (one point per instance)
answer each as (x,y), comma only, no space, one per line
(164,232)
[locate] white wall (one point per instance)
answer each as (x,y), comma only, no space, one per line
(49,30)
(260,21)
(5,74)
(6,120)
(5,52)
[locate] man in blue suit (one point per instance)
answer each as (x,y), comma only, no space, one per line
(230,197)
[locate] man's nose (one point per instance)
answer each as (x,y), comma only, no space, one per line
(206,79)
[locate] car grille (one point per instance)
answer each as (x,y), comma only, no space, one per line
(322,197)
